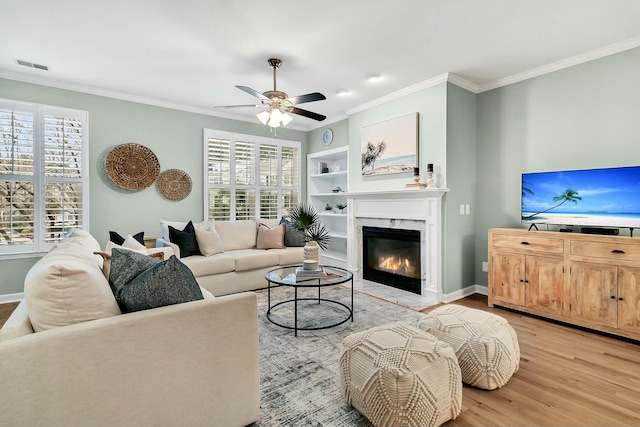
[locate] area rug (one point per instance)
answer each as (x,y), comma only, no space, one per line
(299,376)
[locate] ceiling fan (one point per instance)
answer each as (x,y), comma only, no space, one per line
(279,103)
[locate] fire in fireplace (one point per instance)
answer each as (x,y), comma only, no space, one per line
(392,257)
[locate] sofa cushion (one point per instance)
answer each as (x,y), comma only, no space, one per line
(237,234)
(270,238)
(18,324)
(154,284)
(67,286)
(209,242)
(119,240)
(185,239)
(289,256)
(250,259)
(164,226)
(207,266)
(292,236)
(266,221)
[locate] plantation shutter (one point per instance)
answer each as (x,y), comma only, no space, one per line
(64,155)
(43,175)
(249,176)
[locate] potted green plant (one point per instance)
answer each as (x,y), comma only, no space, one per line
(341,207)
(306,220)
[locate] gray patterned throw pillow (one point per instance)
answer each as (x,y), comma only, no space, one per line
(141,284)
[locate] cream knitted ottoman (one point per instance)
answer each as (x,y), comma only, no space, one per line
(398,375)
(485,344)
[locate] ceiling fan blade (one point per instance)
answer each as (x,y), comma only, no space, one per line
(252,92)
(309,97)
(307,113)
(239,106)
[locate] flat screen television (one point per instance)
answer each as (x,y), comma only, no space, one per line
(608,197)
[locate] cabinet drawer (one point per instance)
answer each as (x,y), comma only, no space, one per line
(619,251)
(528,243)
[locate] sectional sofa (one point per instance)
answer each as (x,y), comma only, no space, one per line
(68,357)
(236,256)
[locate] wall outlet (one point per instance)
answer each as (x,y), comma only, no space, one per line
(485,266)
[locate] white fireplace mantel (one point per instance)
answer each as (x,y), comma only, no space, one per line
(402,209)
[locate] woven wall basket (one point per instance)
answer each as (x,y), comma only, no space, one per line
(174,184)
(132,166)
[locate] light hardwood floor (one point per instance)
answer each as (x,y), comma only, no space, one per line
(567,377)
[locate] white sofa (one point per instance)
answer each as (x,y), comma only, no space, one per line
(240,266)
(189,364)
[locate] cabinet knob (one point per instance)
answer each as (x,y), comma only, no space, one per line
(524,243)
(613,297)
(617,251)
(620,299)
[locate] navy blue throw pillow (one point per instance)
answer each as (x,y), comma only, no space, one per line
(119,240)
(185,239)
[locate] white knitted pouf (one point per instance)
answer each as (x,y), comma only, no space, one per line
(398,375)
(485,344)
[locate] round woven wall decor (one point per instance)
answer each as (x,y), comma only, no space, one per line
(174,184)
(132,166)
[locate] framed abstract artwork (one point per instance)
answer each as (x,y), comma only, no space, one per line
(390,146)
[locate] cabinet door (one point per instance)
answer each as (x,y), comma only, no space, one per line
(508,278)
(544,283)
(594,293)
(629,299)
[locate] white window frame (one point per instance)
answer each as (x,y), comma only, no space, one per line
(39,111)
(232,186)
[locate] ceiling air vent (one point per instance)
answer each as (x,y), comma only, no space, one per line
(32,65)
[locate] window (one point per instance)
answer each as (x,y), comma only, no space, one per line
(250,176)
(43,175)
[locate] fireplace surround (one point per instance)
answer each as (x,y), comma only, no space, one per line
(416,209)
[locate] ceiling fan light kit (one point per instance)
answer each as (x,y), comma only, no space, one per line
(279,103)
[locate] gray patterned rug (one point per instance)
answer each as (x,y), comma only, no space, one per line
(299,377)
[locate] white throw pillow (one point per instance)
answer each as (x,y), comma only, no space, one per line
(237,234)
(209,242)
(67,286)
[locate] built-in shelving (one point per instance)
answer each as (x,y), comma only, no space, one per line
(327,183)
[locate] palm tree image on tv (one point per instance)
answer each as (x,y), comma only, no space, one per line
(568,195)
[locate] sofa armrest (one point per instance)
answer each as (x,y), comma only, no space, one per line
(187,364)
(175,248)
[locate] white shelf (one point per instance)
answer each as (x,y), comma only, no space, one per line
(319,194)
(329,175)
(332,194)
(338,234)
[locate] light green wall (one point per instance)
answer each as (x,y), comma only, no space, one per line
(586,116)
(431,106)
(340,136)
(459,230)
(176,137)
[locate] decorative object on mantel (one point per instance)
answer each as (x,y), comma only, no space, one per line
(390,146)
(416,180)
(430,183)
(174,184)
(132,166)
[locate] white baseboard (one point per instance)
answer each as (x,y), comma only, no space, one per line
(11,297)
(465,292)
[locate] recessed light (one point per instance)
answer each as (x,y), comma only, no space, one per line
(342,92)
(374,77)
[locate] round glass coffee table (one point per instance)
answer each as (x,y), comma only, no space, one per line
(286,276)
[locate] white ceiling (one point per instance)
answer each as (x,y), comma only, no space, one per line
(191,53)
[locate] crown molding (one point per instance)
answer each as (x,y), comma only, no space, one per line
(132,98)
(565,63)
